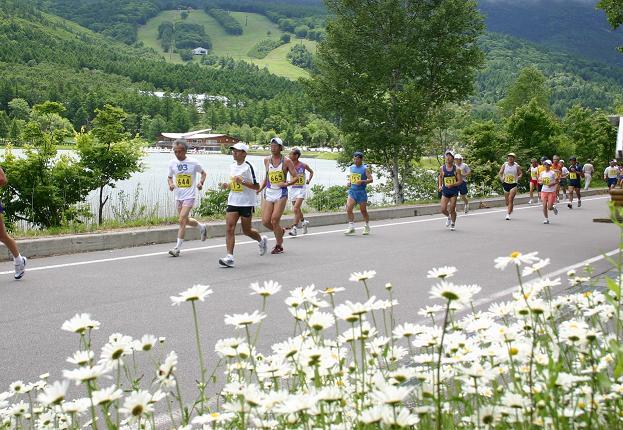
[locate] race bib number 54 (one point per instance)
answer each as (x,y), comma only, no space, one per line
(183,180)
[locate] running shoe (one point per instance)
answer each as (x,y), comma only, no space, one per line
(20,268)
(175,252)
(466,209)
(278,249)
(545,221)
(305,226)
(263,244)
(293,232)
(366,230)
(452,228)
(555,209)
(569,205)
(448,222)
(349,230)
(579,203)
(530,201)
(226,261)
(508,217)
(203,231)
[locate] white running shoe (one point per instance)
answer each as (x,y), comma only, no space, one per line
(203,231)
(305,226)
(20,268)
(263,244)
(366,230)
(293,232)
(508,217)
(546,221)
(555,209)
(226,261)
(448,222)
(174,252)
(530,201)
(349,230)
(452,228)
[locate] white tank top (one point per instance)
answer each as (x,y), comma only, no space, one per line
(510,173)
(534,173)
(276,174)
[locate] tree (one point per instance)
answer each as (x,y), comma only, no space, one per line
(531,130)
(387,65)
(108,153)
(530,85)
(19,109)
(592,134)
(614,12)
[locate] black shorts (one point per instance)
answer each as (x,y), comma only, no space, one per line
(508,187)
(574,183)
(244,211)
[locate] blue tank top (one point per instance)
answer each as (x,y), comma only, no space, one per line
(449,178)
(357,174)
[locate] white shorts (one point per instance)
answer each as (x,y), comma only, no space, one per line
(186,203)
(274,195)
(297,193)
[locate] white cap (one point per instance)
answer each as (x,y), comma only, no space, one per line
(241,147)
(277,140)
(458,156)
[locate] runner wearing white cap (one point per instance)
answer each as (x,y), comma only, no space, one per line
(510,173)
(298,191)
(549,180)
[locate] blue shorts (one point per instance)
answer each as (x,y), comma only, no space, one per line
(359,196)
(463,188)
(450,192)
(612,181)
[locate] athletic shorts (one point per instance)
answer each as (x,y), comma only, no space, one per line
(575,183)
(548,197)
(187,203)
(244,211)
(274,195)
(564,183)
(534,182)
(450,192)
(297,193)
(463,188)
(359,196)
(612,181)
(508,187)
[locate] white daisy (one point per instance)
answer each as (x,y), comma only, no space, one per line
(268,289)
(516,258)
(137,404)
(429,311)
(77,406)
(194,293)
(390,395)
(321,320)
(536,267)
(451,292)
(245,319)
(362,276)
(115,349)
(85,374)
(441,272)
(403,418)
(167,368)
(373,415)
(54,394)
(332,290)
(81,358)
(106,395)
(213,417)
(80,323)
(351,312)
(146,343)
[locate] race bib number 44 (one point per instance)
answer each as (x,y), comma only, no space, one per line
(449,180)
(183,180)
(355,177)
(276,176)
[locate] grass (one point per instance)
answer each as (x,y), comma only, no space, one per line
(255,27)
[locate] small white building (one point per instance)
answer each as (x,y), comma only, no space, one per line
(200,51)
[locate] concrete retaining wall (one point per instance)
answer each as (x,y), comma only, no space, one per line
(71,244)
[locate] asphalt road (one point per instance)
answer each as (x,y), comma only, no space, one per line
(128,290)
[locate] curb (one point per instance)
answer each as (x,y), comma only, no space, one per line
(73,244)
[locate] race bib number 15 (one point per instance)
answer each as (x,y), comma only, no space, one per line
(235,186)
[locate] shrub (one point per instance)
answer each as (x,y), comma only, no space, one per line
(327,199)
(263,47)
(214,202)
(228,22)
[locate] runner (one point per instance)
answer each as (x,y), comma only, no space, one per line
(182,177)
(510,174)
(575,173)
(240,203)
(276,190)
(540,170)
(449,184)
(549,180)
(564,180)
(588,169)
(557,169)
(298,192)
(465,172)
(359,177)
(534,181)
(9,242)
(611,174)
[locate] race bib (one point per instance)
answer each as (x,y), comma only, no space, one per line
(276,176)
(354,178)
(183,180)
(547,180)
(613,172)
(449,180)
(235,186)
(533,175)
(573,176)
(509,179)
(300,180)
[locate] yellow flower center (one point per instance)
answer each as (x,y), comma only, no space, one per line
(215,414)
(515,254)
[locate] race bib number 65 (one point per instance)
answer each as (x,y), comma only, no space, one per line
(183,180)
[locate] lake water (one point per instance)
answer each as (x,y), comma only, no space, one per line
(152,187)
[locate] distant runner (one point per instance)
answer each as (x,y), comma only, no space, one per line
(9,242)
(298,191)
(510,174)
(549,181)
(465,173)
(611,174)
(564,179)
(182,181)
(588,170)
(241,202)
(534,181)
(360,175)
(449,182)
(575,173)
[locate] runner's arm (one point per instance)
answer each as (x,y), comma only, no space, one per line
(202,180)
(459,179)
(519,173)
(501,173)
(311,173)
(293,174)
(369,175)
(171,183)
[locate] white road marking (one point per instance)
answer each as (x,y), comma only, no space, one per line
(221,245)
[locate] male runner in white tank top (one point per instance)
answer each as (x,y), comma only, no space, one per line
(510,173)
